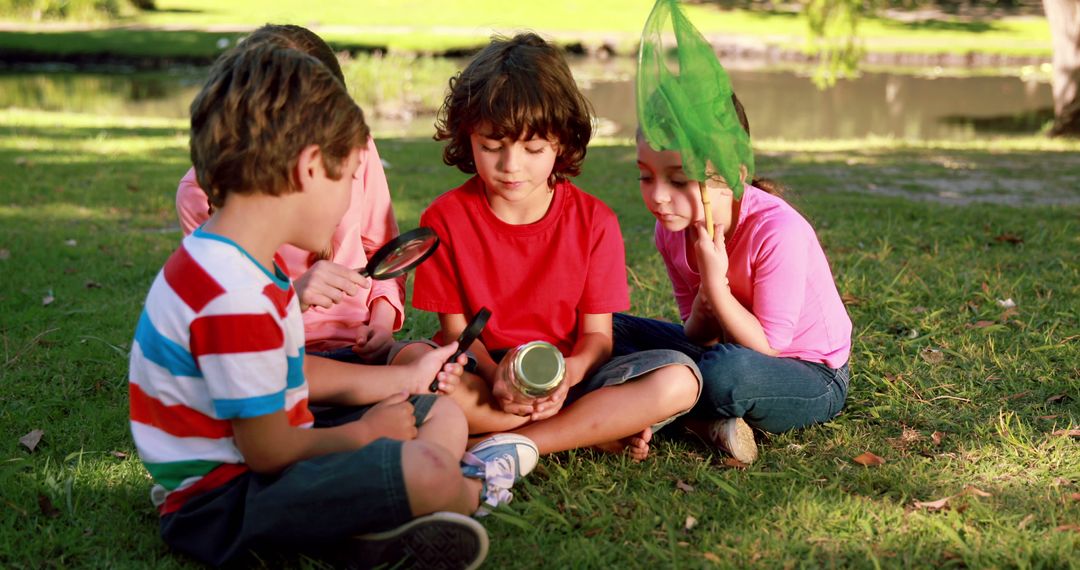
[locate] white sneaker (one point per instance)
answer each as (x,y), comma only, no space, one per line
(499,461)
(438,540)
(735,437)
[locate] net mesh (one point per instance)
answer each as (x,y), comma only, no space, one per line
(689,109)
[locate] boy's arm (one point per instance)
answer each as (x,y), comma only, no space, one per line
(269,443)
(346,384)
(451,326)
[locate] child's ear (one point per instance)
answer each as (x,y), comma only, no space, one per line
(743,173)
(309,166)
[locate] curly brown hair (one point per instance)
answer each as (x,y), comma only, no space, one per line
(261,105)
(521,87)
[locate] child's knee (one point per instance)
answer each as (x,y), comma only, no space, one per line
(410,352)
(431,474)
(679,386)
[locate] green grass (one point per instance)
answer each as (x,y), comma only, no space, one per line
(193,27)
(86,217)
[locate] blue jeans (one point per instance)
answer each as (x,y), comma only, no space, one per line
(770,393)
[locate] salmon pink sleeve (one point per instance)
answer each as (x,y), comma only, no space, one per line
(192,205)
(378,226)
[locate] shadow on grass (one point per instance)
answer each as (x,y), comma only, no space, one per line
(1028,122)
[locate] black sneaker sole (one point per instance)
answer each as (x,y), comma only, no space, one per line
(440,541)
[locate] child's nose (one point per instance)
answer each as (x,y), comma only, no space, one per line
(511,159)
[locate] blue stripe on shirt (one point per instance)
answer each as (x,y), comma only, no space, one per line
(249,407)
(295,377)
(164,352)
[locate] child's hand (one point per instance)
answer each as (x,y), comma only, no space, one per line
(433,366)
(510,401)
(711,254)
(326,283)
(373,343)
(391,418)
(550,405)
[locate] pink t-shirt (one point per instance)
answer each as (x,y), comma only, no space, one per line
(536,279)
(367,224)
(776,269)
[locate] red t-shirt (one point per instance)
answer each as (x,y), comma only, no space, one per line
(535,278)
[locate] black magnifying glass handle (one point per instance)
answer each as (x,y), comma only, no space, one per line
(465,339)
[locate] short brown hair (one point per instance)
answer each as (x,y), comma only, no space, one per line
(522,87)
(299,38)
(261,105)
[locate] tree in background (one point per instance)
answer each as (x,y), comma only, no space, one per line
(834,26)
(1064,18)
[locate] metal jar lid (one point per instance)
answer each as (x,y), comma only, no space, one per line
(538,367)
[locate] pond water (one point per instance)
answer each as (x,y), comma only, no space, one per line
(780,103)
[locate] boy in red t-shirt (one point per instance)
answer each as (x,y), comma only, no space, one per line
(545,257)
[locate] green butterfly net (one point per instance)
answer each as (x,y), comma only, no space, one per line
(689,110)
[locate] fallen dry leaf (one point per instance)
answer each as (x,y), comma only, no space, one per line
(1016,396)
(690,523)
(973,490)
(850,300)
(982,324)
(1057,399)
(1027,520)
(47,300)
(32,439)
(932,355)
(1068,432)
(918,309)
(118,454)
(1062,482)
(937,505)
(93,285)
(46,507)
(711,557)
(1008,237)
(682,486)
(1048,417)
(937,437)
(71,242)
(1075,496)
(1006,303)
(1068,528)
(1007,313)
(5,255)
(734,463)
(868,459)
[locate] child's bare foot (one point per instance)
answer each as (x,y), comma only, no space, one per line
(636,446)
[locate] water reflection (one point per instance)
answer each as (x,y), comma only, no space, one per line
(781,104)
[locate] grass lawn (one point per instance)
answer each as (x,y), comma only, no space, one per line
(192,28)
(961,396)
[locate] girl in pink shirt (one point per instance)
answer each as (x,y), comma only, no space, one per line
(344,317)
(761,313)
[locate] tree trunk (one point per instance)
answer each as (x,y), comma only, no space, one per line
(1064,19)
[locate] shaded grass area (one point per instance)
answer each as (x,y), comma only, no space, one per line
(86,218)
(189,30)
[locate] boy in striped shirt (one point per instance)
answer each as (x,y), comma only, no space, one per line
(219,382)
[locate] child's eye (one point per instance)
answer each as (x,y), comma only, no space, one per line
(680,183)
(537,150)
(487,148)
(644,178)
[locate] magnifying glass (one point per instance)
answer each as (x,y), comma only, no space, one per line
(468,336)
(401,254)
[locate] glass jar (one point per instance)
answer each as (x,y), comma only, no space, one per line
(534,369)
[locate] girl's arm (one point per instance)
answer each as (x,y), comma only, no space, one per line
(378,225)
(702,326)
(737,323)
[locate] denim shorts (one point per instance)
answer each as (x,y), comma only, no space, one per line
(309,507)
(623,369)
